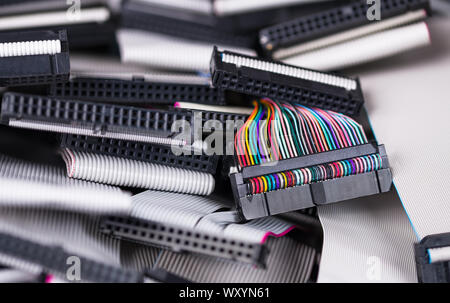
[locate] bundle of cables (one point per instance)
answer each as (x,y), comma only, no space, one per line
(285,145)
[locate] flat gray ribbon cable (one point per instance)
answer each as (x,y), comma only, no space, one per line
(8,275)
(361,50)
(41,204)
(366,240)
(212,215)
(205,214)
(75,232)
(173,208)
(407,101)
(166,52)
(418,138)
(127,172)
(289,261)
(72,224)
(138,257)
(27,184)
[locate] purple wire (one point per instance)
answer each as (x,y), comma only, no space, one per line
(258,140)
(353,166)
(331,129)
(278,181)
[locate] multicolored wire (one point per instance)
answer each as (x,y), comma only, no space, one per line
(313,174)
(277,131)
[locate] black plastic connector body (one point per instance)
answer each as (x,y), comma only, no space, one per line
(436,272)
(95,118)
(158,154)
(9,2)
(180,128)
(84,34)
(101,35)
(182,24)
(53,259)
(282,87)
(35,69)
(310,195)
(184,240)
(332,21)
(136,91)
(101,117)
(227,122)
(252,21)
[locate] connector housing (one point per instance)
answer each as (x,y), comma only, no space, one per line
(53,259)
(436,272)
(139,151)
(136,91)
(281,87)
(35,69)
(332,21)
(310,195)
(98,118)
(183,24)
(94,119)
(184,240)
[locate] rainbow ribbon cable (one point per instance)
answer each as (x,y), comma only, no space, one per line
(290,146)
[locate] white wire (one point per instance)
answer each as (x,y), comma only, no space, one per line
(86,15)
(20,193)
(366,49)
(198,6)
(229,7)
(30,48)
(167,52)
(441,254)
(126,172)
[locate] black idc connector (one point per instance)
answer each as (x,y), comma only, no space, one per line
(33,58)
(316,193)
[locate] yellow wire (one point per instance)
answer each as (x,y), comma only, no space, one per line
(285,180)
(265,184)
(250,119)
